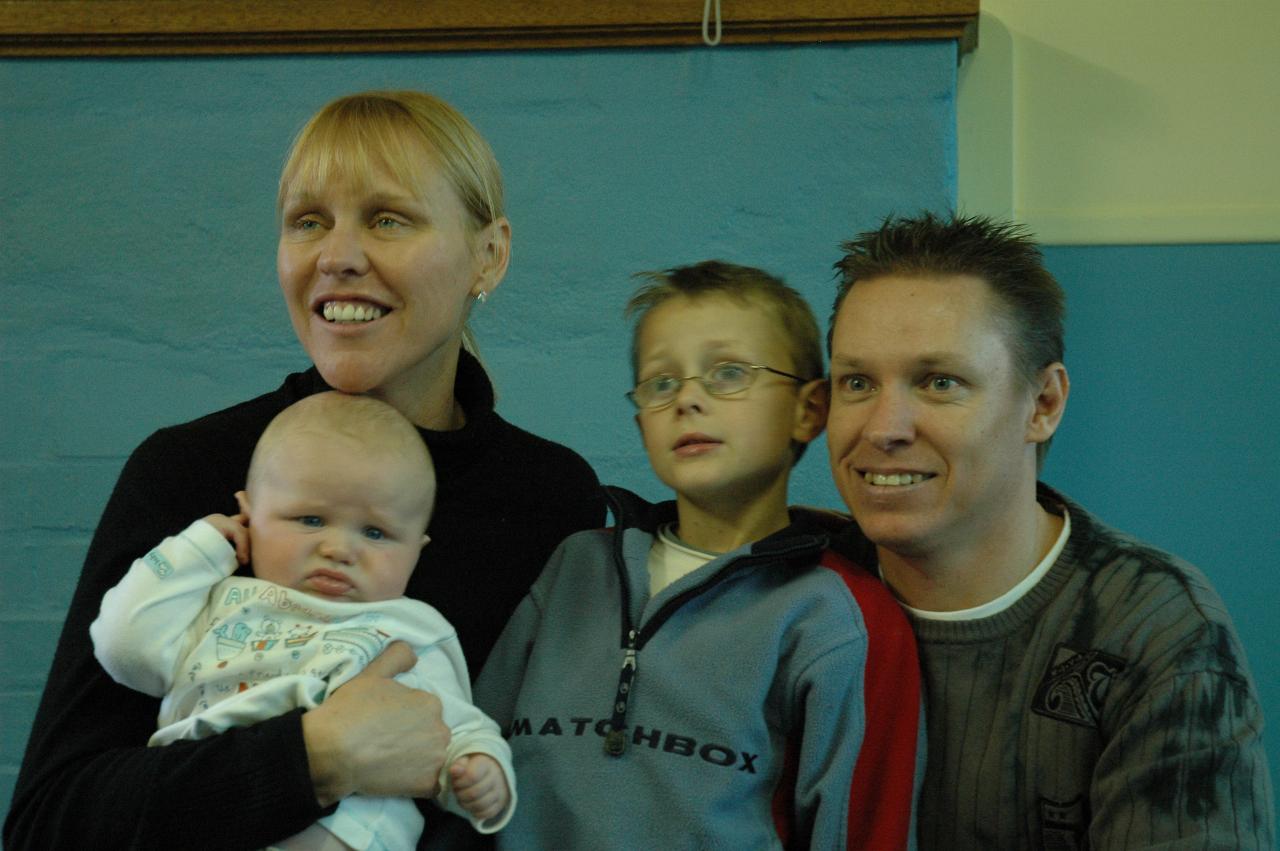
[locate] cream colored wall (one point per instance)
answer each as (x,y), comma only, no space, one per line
(1124,121)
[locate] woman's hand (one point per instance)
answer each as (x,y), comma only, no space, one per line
(375,736)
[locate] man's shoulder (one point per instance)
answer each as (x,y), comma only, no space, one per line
(1146,603)
(1125,568)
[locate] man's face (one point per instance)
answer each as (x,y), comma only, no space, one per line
(930,430)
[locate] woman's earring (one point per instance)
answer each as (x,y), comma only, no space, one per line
(482,297)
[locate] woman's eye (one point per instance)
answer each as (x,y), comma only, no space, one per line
(311,521)
(373,533)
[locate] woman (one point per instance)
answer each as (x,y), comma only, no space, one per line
(391,229)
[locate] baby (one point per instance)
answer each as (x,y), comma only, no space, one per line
(333,519)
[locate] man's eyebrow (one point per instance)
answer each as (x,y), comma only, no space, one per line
(924,360)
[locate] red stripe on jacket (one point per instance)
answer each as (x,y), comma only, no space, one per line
(882,795)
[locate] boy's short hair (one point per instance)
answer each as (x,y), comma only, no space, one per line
(370,424)
(747,284)
(1030,301)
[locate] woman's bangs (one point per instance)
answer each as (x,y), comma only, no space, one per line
(353,150)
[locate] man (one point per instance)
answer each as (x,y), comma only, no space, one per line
(1083,689)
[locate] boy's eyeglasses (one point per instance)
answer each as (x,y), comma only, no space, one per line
(723,379)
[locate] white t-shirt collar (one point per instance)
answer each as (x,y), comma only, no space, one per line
(1008,598)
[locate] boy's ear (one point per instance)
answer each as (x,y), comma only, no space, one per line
(242,499)
(1052,389)
(812,403)
(426,539)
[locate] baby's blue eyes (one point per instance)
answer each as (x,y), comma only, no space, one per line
(313,521)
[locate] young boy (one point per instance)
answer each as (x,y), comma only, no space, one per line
(333,518)
(707,674)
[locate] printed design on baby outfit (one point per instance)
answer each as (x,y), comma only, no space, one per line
(299,635)
(258,633)
(232,639)
(267,635)
(361,642)
(1075,685)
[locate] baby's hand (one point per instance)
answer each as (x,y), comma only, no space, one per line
(479,785)
(235,530)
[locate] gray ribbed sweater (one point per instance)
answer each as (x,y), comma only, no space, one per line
(1109,708)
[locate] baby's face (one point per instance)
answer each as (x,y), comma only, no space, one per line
(332,521)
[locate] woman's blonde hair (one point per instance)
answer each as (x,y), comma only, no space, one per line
(354,135)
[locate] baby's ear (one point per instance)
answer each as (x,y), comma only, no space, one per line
(426,539)
(242,499)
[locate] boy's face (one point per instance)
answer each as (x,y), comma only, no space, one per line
(331,520)
(722,450)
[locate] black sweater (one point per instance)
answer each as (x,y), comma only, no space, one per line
(506,499)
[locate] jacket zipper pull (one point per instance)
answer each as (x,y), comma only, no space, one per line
(615,741)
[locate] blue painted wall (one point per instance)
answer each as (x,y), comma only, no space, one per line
(138,241)
(1172,429)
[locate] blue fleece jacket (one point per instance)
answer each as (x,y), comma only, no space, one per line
(769,699)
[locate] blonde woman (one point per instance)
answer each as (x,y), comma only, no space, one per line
(391,229)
